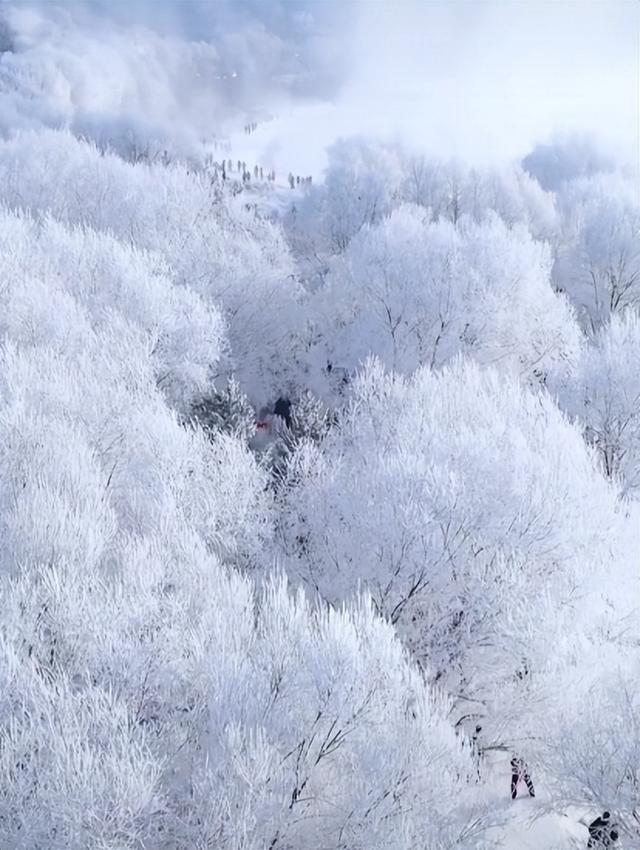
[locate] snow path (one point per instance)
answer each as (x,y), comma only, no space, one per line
(528,823)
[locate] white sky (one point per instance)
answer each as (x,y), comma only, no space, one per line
(480,80)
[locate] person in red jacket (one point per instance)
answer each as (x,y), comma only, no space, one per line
(520,770)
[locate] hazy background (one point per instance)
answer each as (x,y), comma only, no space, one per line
(480,80)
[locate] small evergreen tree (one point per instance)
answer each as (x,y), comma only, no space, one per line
(310,421)
(227,411)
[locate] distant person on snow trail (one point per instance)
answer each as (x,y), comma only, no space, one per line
(477,750)
(282,408)
(520,770)
(601,832)
(610,838)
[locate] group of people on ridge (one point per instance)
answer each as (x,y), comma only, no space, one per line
(602,833)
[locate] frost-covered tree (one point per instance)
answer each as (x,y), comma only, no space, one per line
(591,744)
(365,182)
(276,436)
(472,512)
(362,185)
(602,393)
(564,159)
(310,419)
(598,263)
(416,292)
(309,423)
(451,190)
(94,340)
(60,283)
(226,410)
(204,714)
(211,244)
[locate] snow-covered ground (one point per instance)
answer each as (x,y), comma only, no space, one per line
(529,823)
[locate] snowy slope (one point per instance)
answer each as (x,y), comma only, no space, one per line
(529,823)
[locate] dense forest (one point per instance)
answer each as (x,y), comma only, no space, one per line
(319,498)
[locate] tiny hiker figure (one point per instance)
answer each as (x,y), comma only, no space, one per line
(520,770)
(601,833)
(282,408)
(477,750)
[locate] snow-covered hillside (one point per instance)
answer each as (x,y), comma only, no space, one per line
(318,490)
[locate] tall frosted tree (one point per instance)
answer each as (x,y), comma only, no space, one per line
(211,244)
(473,513)
(598,263)
(602,393)
(415,292)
